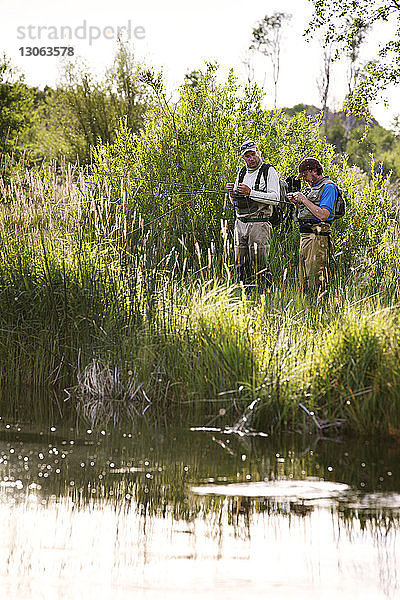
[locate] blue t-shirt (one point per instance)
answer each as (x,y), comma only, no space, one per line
(328,199)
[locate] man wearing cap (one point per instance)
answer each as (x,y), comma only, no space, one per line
(256,185)
(315,213)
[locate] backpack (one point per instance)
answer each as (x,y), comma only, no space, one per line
(279,212)
(339,209)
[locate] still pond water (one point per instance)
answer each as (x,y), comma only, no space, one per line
(195,514)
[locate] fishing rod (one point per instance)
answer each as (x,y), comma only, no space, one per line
(193,189)
(181,205)
(202,191)
(159,182)
(293,183)
(169,183)
(164,214)
(192,192)
(176,184)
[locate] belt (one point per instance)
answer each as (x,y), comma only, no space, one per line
(253,220)
(308,228)
(248,220)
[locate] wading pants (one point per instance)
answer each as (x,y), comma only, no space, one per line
(314,258)
(252,246)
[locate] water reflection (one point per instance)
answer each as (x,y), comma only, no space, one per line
(189,514)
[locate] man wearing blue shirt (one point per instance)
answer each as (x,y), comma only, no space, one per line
(315,213)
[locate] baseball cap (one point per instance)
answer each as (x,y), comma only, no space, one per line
(308,164)
(248,145)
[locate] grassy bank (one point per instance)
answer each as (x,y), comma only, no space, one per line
(132,331)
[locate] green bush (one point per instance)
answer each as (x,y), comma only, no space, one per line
(195,142)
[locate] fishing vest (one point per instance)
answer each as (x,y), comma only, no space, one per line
(314,194)
(246,206)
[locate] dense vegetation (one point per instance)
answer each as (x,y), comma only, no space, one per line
(66,122)
(118,286)
(359,145)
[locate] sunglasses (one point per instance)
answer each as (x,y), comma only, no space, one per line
(247,146)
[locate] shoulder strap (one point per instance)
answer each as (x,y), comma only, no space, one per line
(334,185)
(321,185)
(263,170)
(242,173)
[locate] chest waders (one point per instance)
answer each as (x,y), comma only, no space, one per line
(252,235)
(315,243)
(248,210)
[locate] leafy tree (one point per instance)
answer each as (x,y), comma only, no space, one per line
(352,51)
(308,109)
(195,141)
(84,111)
(380,143)
(192,78)
(323,83)
(335,132)
(266,38)
(16,108)
(127,95)
(346,22)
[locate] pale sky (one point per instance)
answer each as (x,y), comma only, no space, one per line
(176,35)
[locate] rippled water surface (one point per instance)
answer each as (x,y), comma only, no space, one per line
(195,514)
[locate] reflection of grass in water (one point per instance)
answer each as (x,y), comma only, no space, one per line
(105,395)
(149,476)
(108,466)
(99,544)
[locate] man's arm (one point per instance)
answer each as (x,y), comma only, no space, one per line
(271,192)
(323,211)
(328,197)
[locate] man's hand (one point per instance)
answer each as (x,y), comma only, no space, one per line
(297,198)
(244,189)
(320,213)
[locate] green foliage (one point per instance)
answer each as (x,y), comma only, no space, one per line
(118,271)
(84,111)
(308,109)
(336,134)
(348,362)
(378,142)
(195,142)
(346,23)
(16,108)
(356,367)
(192,78)
(73,296)
(358,144)
(266,36)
